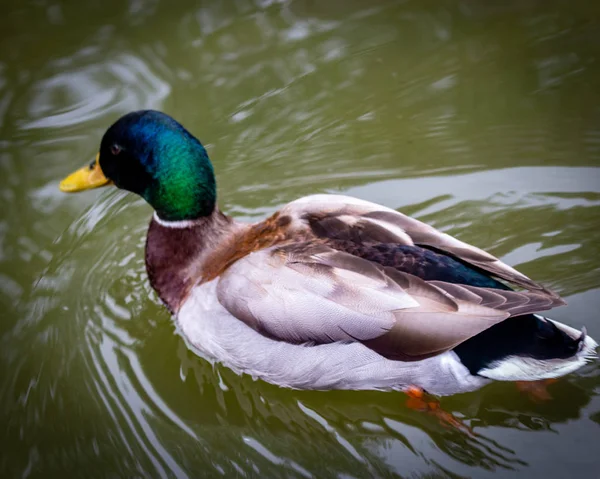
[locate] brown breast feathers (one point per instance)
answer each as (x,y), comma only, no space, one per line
(273,230)
(179,258)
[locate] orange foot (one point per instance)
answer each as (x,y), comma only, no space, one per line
(536,390)
(419,400)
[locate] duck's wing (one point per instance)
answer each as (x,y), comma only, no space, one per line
(308,292)
(337,217)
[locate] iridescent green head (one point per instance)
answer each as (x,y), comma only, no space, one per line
(149,153)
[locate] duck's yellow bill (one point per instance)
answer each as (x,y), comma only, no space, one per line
(85,178)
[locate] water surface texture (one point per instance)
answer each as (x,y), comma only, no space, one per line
(479,117)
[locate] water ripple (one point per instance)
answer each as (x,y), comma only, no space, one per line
(133,86)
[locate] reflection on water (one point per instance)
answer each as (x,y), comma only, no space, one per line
(479,118)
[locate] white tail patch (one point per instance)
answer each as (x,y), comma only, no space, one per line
(521,368)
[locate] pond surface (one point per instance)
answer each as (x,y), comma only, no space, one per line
(481,118)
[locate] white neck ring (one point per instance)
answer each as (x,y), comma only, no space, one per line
(175,224)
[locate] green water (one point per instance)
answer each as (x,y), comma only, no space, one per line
(480,117)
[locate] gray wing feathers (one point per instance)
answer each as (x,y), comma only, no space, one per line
(299,300)
(343,217)
(308,292)
(515,303)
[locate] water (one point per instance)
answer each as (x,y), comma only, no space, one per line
(481,118)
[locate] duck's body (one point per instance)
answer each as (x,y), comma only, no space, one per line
(333,292)
(308,299)
(218,335)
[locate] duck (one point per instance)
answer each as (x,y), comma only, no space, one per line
(330,291)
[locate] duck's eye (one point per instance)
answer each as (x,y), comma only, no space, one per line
(115,149)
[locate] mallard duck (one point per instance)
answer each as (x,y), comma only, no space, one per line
(330,292)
